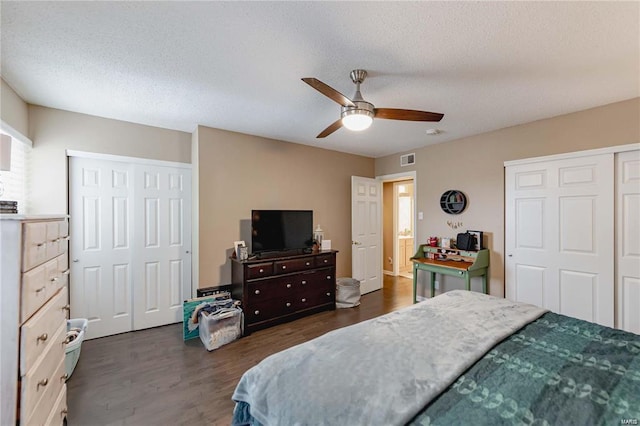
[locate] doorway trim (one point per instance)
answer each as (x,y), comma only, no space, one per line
(395,177)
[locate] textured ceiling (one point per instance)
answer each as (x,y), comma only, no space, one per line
(237,65)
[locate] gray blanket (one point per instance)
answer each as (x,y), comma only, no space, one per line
(382,371)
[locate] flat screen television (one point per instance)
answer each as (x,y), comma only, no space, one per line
(281,230)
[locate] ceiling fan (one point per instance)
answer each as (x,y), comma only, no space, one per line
(358,114)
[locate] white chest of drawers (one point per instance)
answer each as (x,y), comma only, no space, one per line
(34,269)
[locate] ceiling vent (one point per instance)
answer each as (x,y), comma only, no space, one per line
(408,159)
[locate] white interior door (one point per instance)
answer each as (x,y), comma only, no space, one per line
(101,220)
(366,232)
(559,236)
(628,241)
(162,243)
(130,243)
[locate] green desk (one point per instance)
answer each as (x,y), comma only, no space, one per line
(454,262)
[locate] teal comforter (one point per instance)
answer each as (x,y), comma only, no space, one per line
(556,370)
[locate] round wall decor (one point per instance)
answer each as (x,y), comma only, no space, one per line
(453,201)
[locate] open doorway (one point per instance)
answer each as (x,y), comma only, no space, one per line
(399,224)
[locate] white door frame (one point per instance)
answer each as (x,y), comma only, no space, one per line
(395,177)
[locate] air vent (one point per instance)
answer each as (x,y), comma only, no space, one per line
(408,159)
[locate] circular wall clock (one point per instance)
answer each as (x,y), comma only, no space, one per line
(453,201)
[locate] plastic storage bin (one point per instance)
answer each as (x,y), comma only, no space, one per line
(220,327)
(347,293)
(72,351)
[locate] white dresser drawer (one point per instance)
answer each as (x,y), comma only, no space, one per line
(59,410)
(34,249)
(42,384)
(36,335)
(34,289)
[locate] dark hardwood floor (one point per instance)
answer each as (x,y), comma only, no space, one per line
(152,377)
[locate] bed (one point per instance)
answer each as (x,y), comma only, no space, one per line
(461,356)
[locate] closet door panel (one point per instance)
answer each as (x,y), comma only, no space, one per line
(559,235)
(628,242)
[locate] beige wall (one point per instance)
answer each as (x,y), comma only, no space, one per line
(13,110)
(54,131)
(475,166)
(239,173)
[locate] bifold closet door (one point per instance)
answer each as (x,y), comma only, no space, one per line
(628,241)
(559,236)
(130,244)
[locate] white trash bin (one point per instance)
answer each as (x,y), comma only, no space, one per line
(72,351)
(347,292)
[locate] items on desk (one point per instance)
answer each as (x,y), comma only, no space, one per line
(433,241)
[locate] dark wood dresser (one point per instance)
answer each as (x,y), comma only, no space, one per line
(279,289)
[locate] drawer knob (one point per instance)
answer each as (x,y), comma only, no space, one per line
(43,337)
(308,263)
(66,308)
(288,304)
(288,285)
(328,277)
(63,412)
(66,272)
(40,289)
(64,377)
(257,312)
(40,244)
(261,270)
(328,294)
(43,382)
(257,292)
(304,300)
(54,279)
(303,282)
(284,266)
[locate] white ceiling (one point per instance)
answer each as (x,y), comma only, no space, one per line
(237,65)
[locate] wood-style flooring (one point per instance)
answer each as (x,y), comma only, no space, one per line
(152,377)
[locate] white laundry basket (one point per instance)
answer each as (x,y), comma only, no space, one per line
(72,352)
(347,292)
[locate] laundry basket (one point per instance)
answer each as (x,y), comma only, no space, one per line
(76,329)
(347,292)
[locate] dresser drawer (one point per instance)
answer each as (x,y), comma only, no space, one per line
(59,410)
(34,289)
(44,382)
(259,270)
(292,265)
(268,309)
(36,335)
(325,260)
(34,248)
(272,288)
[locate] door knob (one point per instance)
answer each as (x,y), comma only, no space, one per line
(356,243)
(76,260)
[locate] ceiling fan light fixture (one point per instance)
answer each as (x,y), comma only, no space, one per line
(359,117)
(357,120)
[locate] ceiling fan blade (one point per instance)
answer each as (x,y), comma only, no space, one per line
(406,114)
(332,128)
(328,91)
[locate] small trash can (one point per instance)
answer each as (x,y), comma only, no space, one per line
(76,329)
(347,292)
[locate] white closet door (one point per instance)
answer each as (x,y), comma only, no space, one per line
(130,244)
(101,218)
(162,244)
(559,236)
(628,240)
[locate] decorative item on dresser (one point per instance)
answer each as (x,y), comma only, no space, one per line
(279,289)
(34,302)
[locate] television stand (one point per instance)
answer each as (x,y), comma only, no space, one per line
(282,288)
